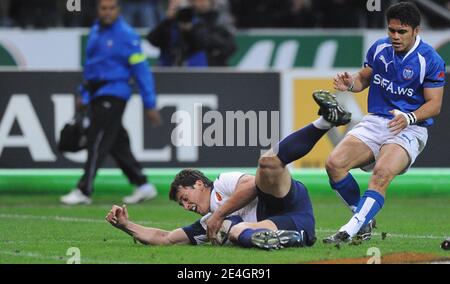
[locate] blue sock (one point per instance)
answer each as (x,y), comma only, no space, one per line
(235,219)
(245,238)
(371,202)
(299,143)
(348,189)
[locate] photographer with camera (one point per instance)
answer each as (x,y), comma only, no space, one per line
(192,37)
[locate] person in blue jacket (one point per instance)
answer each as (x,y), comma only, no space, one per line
(181,40)
(114,56)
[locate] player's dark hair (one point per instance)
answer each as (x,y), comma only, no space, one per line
(406,12)
(187,177)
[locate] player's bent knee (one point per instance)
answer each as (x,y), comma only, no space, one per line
(269,162)
(335,164)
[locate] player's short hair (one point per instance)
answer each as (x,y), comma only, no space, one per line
(406,12)
(187,177)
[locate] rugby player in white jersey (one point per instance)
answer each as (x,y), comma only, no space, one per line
(269,210)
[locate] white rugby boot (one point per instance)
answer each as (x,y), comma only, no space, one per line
(144,192)
(75,197)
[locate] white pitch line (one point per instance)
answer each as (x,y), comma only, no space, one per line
(16,242)
(58,258)
(88,220)
(73,219)
(53,218)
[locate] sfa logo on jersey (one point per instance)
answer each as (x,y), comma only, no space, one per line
(408,73)
(390,87)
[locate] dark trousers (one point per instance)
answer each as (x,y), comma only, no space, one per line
(106,135)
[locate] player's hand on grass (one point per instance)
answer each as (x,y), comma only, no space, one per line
(398,123)
(118,216)
(342,81)
(213,226)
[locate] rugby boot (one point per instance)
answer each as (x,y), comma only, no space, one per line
(278,239)
(337,238)
(330,108)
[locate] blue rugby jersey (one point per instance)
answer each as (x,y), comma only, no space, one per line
(114,55)
(398,80)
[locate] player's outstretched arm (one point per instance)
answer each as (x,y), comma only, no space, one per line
(118,217)
(353,83)
(244,193)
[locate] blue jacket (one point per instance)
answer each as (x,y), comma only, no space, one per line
(177,48)
(114,55)
(168,56)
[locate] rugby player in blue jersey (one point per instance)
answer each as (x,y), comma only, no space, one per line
(406,79)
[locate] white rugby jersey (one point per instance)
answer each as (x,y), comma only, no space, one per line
(224,186)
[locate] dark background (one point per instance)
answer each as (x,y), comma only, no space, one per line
(437,151)
(236,91)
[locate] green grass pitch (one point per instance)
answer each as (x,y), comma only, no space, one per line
(35,228)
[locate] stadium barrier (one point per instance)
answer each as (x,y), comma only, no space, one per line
(211,119)
(416,182)
(32,113)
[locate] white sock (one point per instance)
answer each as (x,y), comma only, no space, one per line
(321,123)
(354,225)
(358,219)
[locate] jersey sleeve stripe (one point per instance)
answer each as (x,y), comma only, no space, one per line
(379,49)
(423,65)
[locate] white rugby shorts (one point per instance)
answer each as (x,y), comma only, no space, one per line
(374,132)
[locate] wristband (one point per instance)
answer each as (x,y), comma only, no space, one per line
(411,118)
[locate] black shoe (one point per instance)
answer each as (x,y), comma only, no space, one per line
(330,108)
(278,239)
(337,238)
(365,233)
